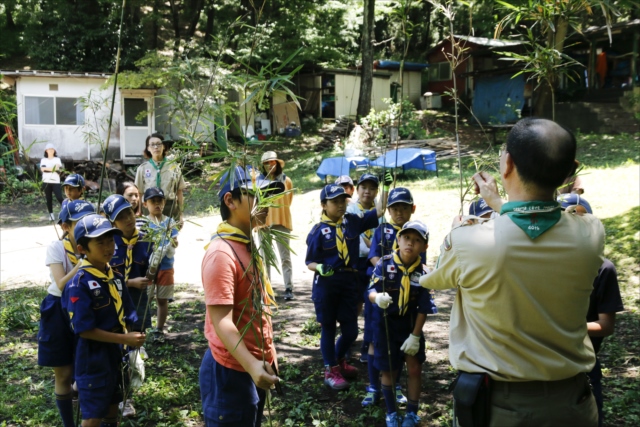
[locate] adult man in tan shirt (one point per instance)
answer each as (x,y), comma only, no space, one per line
(523,283)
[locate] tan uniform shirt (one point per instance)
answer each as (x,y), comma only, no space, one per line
(282,215)
(146,178)
(521,304)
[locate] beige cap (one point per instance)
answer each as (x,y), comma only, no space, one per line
(271,155)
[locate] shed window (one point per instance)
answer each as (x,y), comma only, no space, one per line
(440,71)
(42,110)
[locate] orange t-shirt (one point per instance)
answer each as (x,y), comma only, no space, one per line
(225,283)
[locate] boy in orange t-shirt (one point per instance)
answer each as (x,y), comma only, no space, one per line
(237,368)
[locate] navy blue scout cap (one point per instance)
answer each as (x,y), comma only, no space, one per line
(368,177)
(113,205)
(479,208)
(74,180)
(344,179)
(152,192)
(73,210)
(568,200)
(400,195)
(332,191)
(242,179)
(93,226)
(418,226)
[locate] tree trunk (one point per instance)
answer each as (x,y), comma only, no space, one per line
(154,25)
(195,9)
(175,20)
(366,82)
(208,29)
(546,95)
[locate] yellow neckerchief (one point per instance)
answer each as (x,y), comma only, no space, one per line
(397,228)
(129,261)
(367,233)
(71,253)
(405,288)
(343,251)
(113,290)
(227,231)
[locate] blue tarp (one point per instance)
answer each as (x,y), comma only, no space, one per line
(336,166)
(408,158)
(496,98)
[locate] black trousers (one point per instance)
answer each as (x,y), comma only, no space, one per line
(50,189)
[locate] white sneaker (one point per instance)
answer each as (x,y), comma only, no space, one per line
(128,410)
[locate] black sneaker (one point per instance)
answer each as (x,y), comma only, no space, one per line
(288,295)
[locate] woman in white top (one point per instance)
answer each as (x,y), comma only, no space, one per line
(50,166)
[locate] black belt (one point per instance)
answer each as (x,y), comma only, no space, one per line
(347,270)
(536,387)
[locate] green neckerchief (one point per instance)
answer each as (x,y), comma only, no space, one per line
(158,170)
(535,217)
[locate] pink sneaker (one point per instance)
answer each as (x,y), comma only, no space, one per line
(334,379)
(347,370)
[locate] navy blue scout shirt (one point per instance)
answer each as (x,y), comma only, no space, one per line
(89,303)
(141,253)
(420,299)
(389,238)
(321,241)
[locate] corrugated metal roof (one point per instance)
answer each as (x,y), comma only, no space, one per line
(483,41)
(59,74)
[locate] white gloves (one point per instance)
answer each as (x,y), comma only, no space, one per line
(411,345)
(383,300)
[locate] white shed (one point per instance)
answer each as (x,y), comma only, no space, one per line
(71,110)
(331,93)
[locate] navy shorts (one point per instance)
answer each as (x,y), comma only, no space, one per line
(55,337)
(96,392)
(336,298)
(229,397)
(399,330)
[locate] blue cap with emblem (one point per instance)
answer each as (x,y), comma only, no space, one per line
(152,192)
(113,205)
(479,208)
(418,226)
(242,179)
(74,180)
(93,226)
(568,200)
(332,191)
(400,195)
(73,210)
(368,177)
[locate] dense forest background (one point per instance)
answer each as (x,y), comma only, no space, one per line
(81,35)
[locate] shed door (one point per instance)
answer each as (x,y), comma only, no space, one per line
(137,125)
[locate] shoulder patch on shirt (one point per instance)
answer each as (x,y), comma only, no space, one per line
(391,268)
(74,299)
(93,284)
(326,230)
(447,242)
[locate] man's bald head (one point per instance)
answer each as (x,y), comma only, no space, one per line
(543,152)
